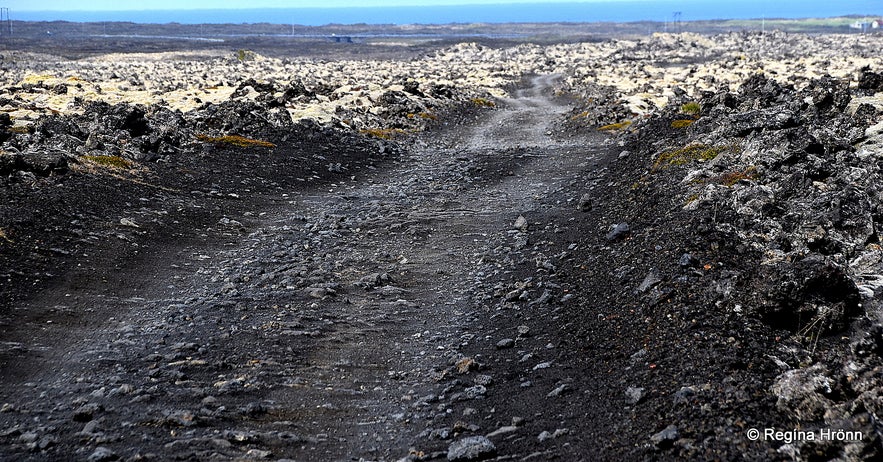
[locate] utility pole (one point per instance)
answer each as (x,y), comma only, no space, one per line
(5,22)
(676,21)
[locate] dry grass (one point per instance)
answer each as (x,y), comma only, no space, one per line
(731,178)
(616,126)
(423,115)
(5,236)
(37,78)
(581,115)
(483,102)
(235,140)
(109,161)
(382,133)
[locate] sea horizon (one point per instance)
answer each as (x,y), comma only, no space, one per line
(666,10)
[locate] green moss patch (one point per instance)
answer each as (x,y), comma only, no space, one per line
(235,140)
(690,153)
(691,108)
(682,123)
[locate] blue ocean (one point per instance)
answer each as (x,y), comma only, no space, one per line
(662,10)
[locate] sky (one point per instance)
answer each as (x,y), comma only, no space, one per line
(424,11)
(118,5)
(124,5)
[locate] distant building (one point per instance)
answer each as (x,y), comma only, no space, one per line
(865,25)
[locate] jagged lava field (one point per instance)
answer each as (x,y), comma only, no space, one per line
(657,247)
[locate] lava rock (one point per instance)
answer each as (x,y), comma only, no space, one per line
(520,224)
(585,203)
(506,343)
(471,448)
(86,412)
(102,454)
(618,232)
(666,437)
(649,281)
(634,394)
(813,288)
(687,260)
(869,80)
(804,393)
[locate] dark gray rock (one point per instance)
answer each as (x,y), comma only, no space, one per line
(763,119)
(546,297)
(804,393)
(618,232)
(684,395)
(374,280)
(687,260)
(634,394)
(585,203)
(506,343)
(520,224)
(86,412)
(513,295)
(869,80)
(559,390)
(471,448)
(649,281)
(103,454)
(475,392)
(666,437)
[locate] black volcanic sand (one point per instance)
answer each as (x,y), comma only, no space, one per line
(85,222)
(462,293)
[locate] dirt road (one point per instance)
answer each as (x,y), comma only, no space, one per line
(329,327)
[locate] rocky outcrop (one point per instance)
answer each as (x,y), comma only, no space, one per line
(789,177)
